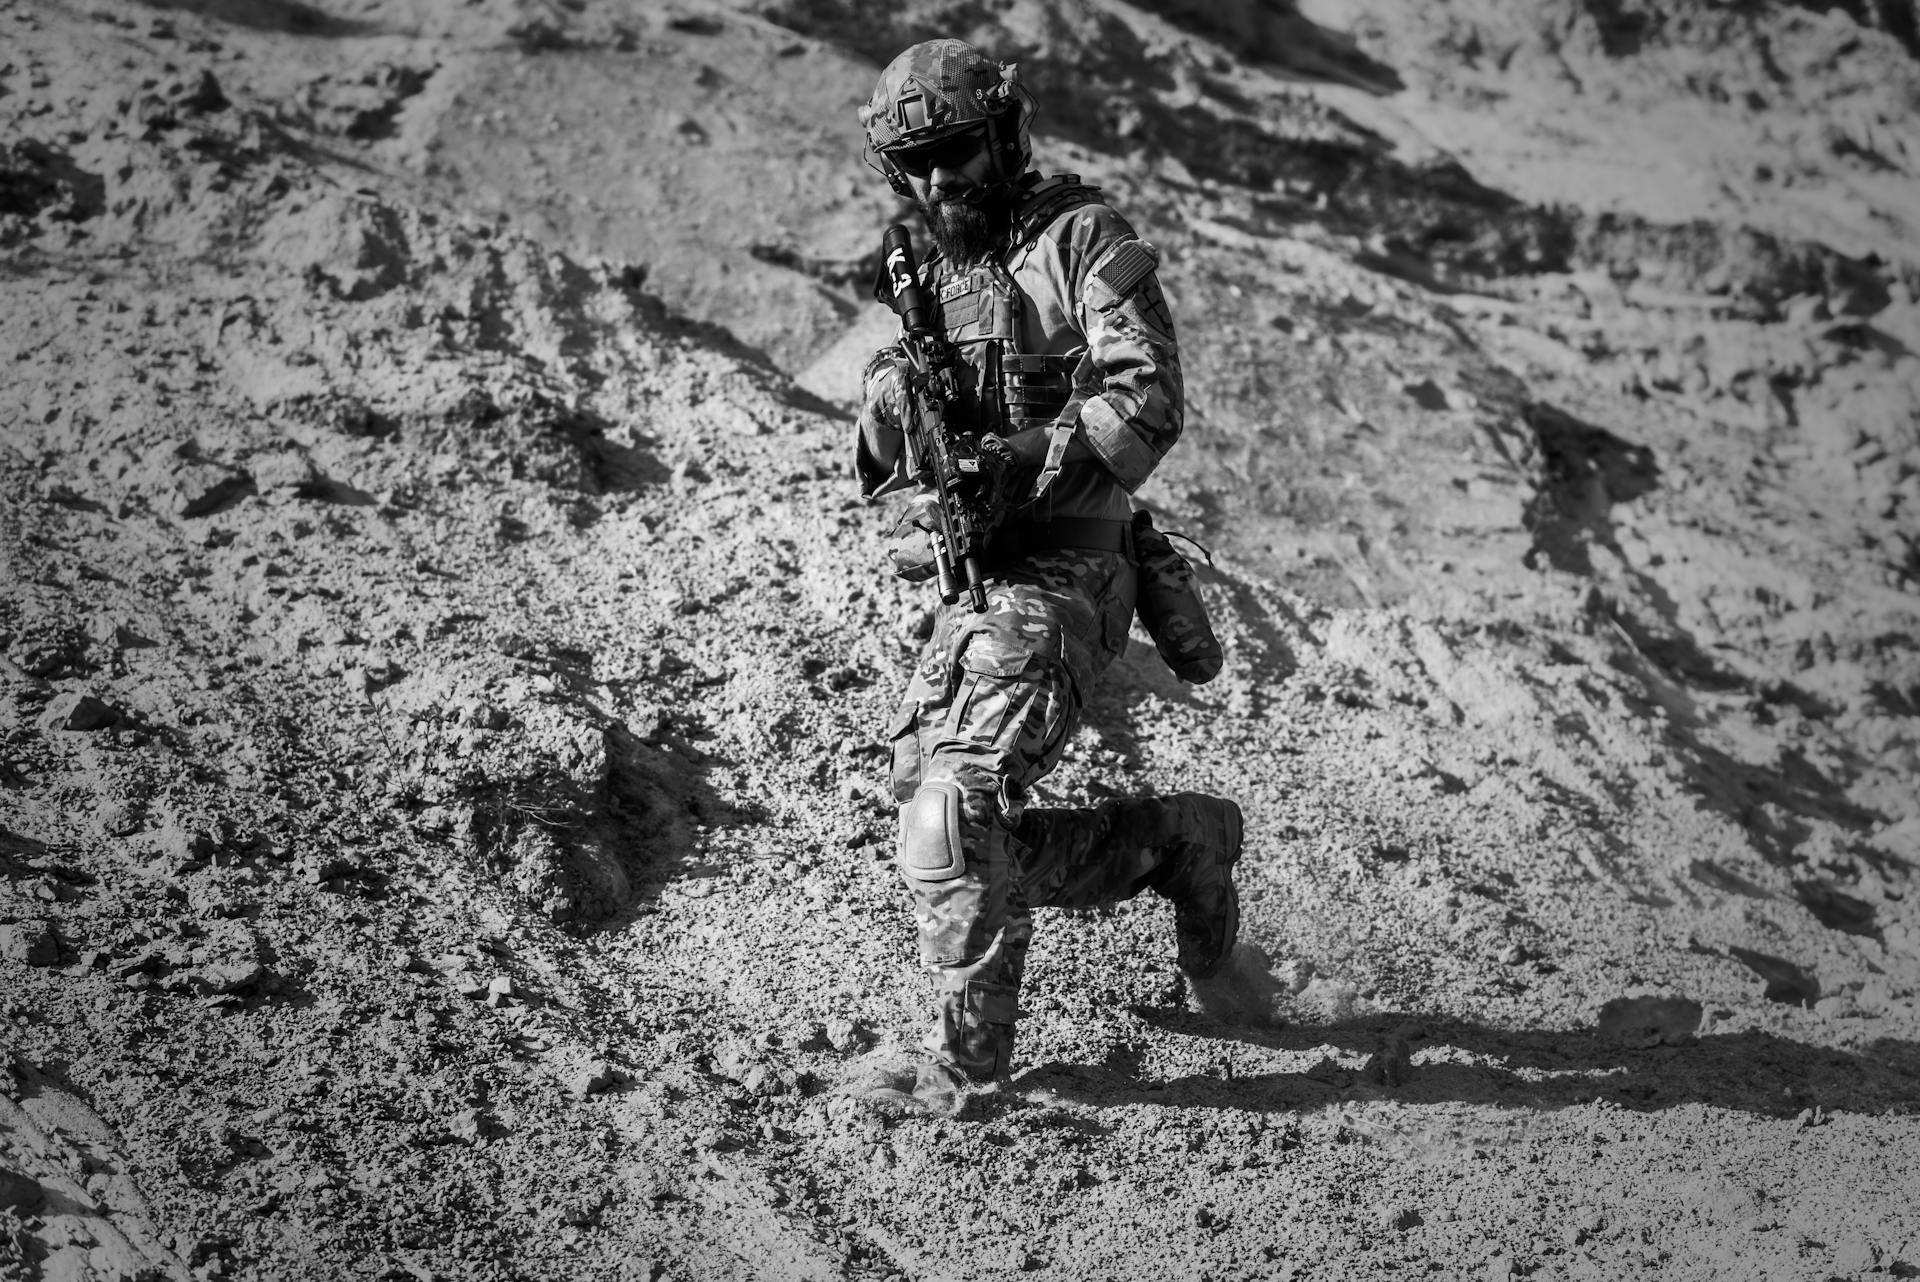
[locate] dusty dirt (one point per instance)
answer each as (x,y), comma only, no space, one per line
(445,664)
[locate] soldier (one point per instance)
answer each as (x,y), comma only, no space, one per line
(1068,363)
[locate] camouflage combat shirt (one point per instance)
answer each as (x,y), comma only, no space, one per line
(1073,294)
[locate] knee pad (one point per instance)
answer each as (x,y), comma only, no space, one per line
(930,844)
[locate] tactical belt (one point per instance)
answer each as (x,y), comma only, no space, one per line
(1068,533)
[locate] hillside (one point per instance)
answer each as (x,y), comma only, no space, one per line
(445,665)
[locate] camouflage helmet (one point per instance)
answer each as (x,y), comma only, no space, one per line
(943,87)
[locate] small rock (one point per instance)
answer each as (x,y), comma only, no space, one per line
(289,468)
(1837,1006)
(119,818)
(181,847)
(32,942)
(202,488)
(1402,1218)
(596,1077)
(80,712)
(767,1080)
(848,1036)
(468,1125)
(49,891)
(500,991)
(1513,955)
(732,1060)
(221,978)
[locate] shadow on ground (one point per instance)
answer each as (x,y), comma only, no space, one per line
(1419,1060)
(1464,1063)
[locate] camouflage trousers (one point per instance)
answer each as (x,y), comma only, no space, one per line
(988,711)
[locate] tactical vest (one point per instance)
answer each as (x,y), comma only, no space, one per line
(1003,389)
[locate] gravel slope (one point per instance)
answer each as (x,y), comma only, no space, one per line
(445,664)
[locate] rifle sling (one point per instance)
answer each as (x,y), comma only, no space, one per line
(1061,433)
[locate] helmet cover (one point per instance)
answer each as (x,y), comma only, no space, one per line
(938,88)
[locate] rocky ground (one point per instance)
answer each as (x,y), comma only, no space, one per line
(445,668)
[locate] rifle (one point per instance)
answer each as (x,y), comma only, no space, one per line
(946,461)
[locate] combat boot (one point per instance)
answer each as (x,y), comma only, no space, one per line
(1198,877)
(904,1082)
(940,1088)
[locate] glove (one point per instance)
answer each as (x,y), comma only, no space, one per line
(1006,473)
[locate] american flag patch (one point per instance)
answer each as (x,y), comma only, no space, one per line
(1125,266)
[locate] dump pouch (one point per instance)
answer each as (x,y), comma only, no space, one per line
(1170,606)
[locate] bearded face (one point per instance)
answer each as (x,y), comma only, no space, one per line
(967,231)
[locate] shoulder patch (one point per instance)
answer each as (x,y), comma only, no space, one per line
(1125,266)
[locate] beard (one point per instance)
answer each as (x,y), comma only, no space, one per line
(966,232)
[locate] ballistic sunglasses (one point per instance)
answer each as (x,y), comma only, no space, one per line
(951,152)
